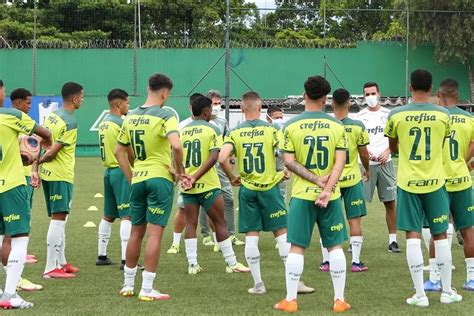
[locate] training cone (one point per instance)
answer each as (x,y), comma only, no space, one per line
(98,195)
(93,208)
(89,224)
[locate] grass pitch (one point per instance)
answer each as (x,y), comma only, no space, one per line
(381,291)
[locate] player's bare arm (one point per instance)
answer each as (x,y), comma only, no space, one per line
(205,167)
(177,150)
(336,171)
(45,135)
(51,153)
(224,155)
(292,165)
(393,145)
(364,158)
(121,153)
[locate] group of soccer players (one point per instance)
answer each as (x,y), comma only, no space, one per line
(331,161)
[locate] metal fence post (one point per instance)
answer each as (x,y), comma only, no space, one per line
(34,57)
(227,61)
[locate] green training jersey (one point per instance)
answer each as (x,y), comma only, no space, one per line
(458,177)
(199,138)
(109,130)
(314,138)
(357,136)
(421,129)
(63,127)
(146,129)
(12,123)
(254,144)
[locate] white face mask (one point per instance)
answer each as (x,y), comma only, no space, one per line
(215,110)
(280,122)
(372,100)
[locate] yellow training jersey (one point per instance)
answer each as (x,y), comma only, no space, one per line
(254,145)
(109,130)
(357,136)
(63,127)
(421,129)
(314,138)
(12,123)
(146,129)
(199,138)
(28,170)
(462,133)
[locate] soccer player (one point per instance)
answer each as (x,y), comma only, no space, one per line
(382,173)
(315,151)
(418,131)
(275,116)
(352,189)
(201,142)
(458,180)
(116,186)
(57,177)
(152,133)
(15,215)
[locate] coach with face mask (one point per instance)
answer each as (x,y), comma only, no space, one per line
(382,174)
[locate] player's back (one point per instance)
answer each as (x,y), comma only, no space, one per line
(254,144)
(421,129)
(109,129)
(462,132)
(199,138)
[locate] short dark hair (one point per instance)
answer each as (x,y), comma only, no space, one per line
(272,109)
(117,94)
(159,81)
(316,87)
(251,95)
(371,84)
(19,94)
(449,86)
(340,96)
(199,104)
(1,83)
(421,80)
(69,89)
(193,96)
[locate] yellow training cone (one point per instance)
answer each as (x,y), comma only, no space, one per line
(89,224)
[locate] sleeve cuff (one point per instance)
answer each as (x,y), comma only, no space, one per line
(287,151)
(33,129)
(171,132)
(123,144)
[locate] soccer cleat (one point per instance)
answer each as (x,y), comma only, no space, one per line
(285,306)
(237,268)
(324,266)
(236,241)
(15,302)
(127,291)
(459,238)
(303,289)
(207,241)
(194,269)
(153,295)
(217,248)
(393,248)
(418,301)
(174,249)
(469,285)
(432,286)
(258,289)
(69,268)
(103,261)
(359,267)
(31,259)
(349,249)
(340,306)
(27,285)
(449,298)
(58,274)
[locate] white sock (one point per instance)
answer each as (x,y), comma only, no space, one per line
(252,255)
(228,252)
(16,263)
(337,264)
(415,264)
(324,251)
(62,249)
(470,269)
(125,229)
(293,270)
(356,243)
(450,233)
(105,229)
(434,271)
(129,276)
(283,247)
(147,283)
(392,238)
(214,237)
(176,239)
(426,234)
(191,250)
(444,262)
(53,240)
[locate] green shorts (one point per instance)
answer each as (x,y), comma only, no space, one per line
(261,210)
(354,203)
(204,199)
(304,214)
(15,212)
(116,194)
(460,205)
(411,208)
(151,201)
(30,191)
(58,196)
